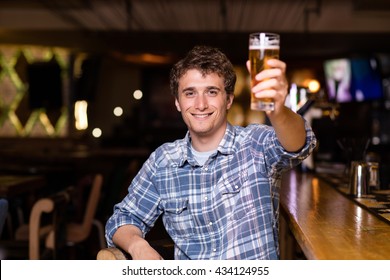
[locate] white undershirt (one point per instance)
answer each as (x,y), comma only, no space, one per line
(201,157)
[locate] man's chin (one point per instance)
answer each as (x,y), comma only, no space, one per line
(200,131)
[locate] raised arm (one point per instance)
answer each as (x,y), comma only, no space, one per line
(289,126)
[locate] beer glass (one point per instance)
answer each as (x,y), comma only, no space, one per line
(262,46)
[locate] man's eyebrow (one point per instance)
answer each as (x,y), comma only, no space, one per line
(207,88)
(213,87)
(188,89)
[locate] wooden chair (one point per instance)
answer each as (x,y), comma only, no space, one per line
(56,205)
(112,254)
(36,231)
(79,232)
(75,232)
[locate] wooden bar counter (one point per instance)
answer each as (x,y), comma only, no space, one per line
(327,225)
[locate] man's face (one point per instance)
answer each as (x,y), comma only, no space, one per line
(203,103)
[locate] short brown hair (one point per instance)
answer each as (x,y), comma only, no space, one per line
(207,60)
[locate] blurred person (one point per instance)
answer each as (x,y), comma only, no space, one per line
(338,80)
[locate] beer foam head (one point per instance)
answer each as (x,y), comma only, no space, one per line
(264,40)
(258,47)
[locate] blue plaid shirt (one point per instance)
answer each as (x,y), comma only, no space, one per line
(226,209)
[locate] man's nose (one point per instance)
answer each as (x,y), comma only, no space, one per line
(201,102)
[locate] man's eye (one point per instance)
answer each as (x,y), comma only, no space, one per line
(213,92)
(189,93)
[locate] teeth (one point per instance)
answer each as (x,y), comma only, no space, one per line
(201,116)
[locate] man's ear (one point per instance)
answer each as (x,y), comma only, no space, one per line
(230,98)
(177,105)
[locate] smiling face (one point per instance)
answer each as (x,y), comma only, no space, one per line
(203,103)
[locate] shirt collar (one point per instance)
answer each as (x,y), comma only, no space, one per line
(226,146)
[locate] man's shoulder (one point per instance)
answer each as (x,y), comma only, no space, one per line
(172,146)
(170,151)
(252,128)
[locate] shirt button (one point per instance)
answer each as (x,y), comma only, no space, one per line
(211,223)
(214,250)
(236,186)
(205,198)
(206,169)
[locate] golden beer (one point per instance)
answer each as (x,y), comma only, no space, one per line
(262,46)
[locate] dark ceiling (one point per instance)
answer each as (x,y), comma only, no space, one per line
(308,28)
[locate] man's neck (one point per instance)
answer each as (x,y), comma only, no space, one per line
(205,143)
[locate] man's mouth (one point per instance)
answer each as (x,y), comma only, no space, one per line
(202,116)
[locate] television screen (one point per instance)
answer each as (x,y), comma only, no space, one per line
(353,80)
(366,83)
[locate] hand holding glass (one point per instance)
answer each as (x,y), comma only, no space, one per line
(262,47)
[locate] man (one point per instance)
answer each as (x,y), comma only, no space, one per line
(217,188)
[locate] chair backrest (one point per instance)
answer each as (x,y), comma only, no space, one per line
(54,204)
(79,231)
(43,205)
(3,213)
(92,203)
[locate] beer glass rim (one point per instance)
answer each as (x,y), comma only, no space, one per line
(266,39)
(267,33)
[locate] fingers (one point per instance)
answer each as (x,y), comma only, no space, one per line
(272,82)
(271,63)
(271,79)
(276,63)
(275,68)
